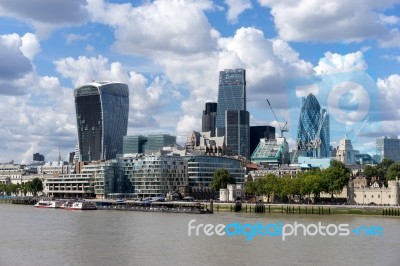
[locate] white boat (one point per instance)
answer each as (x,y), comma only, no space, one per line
(67,204)
(48,204)
(81,205)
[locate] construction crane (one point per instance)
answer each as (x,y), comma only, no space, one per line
(359,130)
(283,128)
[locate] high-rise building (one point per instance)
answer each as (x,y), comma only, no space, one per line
(237,133)
(389,148)
(231,95)
(260,132)
(134,144)
(156,142)
(38,157)
(102,119)
(208,118)
(313,131)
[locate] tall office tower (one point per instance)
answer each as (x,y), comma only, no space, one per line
(260,132)
(102,119)
(38,157)
(134,144)
(158,141)
(237,133)
(231,95)
(313,130)
(389,148)
(208,118)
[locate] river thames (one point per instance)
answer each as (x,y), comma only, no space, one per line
(31,236)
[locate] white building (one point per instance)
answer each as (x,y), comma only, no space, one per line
(345,152)
(232,193)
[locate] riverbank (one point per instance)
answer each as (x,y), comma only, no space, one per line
(306,209)
(210,207)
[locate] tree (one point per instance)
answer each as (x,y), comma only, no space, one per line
(311,183)
(383,167)
(370,171)
(335,178)
(393,171)
(35,186)
(221,178)
(270,185)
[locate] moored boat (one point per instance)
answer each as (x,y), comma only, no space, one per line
(48,204)
(81,205)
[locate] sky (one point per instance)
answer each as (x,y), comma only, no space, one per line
(170,52)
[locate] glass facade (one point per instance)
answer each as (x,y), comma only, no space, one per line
(202,167)
(259,132)
(237,133)
(313,130)
(134,144)
(231,95)
(156,142)
(102,119)
(389,148)
(208,118)
(152,176)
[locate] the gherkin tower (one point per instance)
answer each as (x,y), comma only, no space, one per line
(313,130)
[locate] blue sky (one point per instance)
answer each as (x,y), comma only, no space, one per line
(170,52)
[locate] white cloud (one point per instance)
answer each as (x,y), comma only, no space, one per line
(14,64)
(389,98)
(45,15)
(177,27)
(329,20)
(30,45)
(337,63)
(235,8)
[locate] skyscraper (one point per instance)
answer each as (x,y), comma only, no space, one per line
(231,95)
(208,118)
(389,148)
(102,119)
(313,130)
(237,133)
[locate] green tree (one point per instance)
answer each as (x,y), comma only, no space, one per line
(36,186)
(24,188)
(370,171)
(269,185)
(383,167)
(311,183)
(335,178)
(221,178)
(393,171)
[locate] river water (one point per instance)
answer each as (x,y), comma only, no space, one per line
(30,236)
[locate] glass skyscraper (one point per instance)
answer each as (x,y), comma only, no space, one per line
(237,135)
(313,130)
(102,119)
(231,95)
(208,118)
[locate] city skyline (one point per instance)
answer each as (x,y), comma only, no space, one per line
(169,53)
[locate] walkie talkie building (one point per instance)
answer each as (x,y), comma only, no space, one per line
(102,119)
(231,95)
